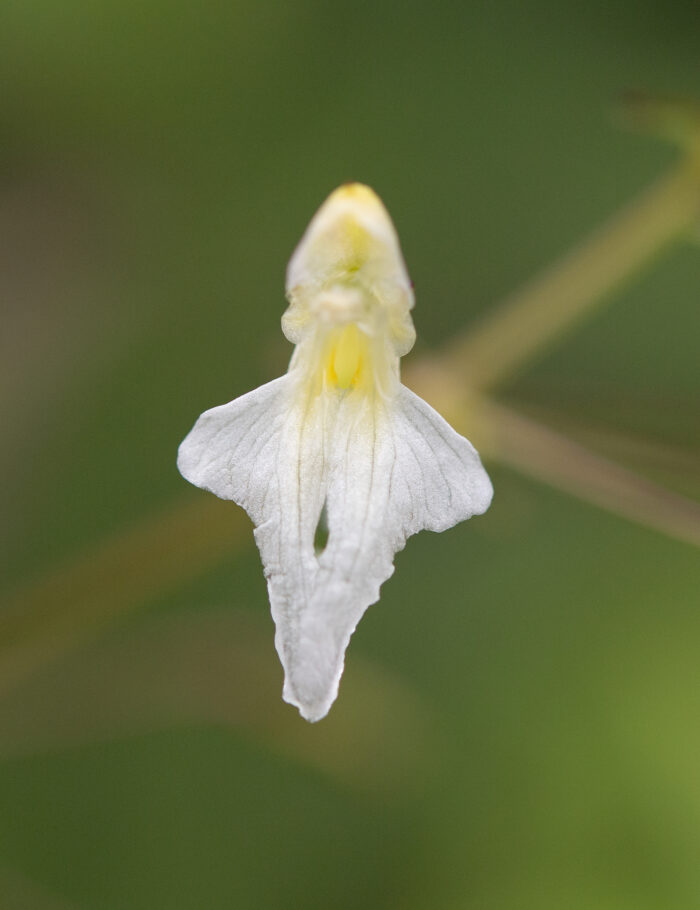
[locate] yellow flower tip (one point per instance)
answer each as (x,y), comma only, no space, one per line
(357,192)
(355,218)
(348,270)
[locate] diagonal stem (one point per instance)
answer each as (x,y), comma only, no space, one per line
(120,574)
(545,455)
(533,317)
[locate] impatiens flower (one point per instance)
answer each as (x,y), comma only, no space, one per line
(337,446)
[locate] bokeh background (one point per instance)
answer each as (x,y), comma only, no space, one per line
(519,723)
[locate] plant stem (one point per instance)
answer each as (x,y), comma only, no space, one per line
(551,304)
(117,575)
(547,456)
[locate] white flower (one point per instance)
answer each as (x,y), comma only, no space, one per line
(338,442)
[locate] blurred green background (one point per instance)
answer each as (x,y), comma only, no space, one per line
(519,723)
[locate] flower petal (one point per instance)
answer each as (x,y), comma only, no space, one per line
(384,469)
(393,469)
(262,451)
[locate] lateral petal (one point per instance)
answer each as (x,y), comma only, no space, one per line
(262,451)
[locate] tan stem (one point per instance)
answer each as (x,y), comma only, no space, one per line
(545,455)
(547,306)
(120,574)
